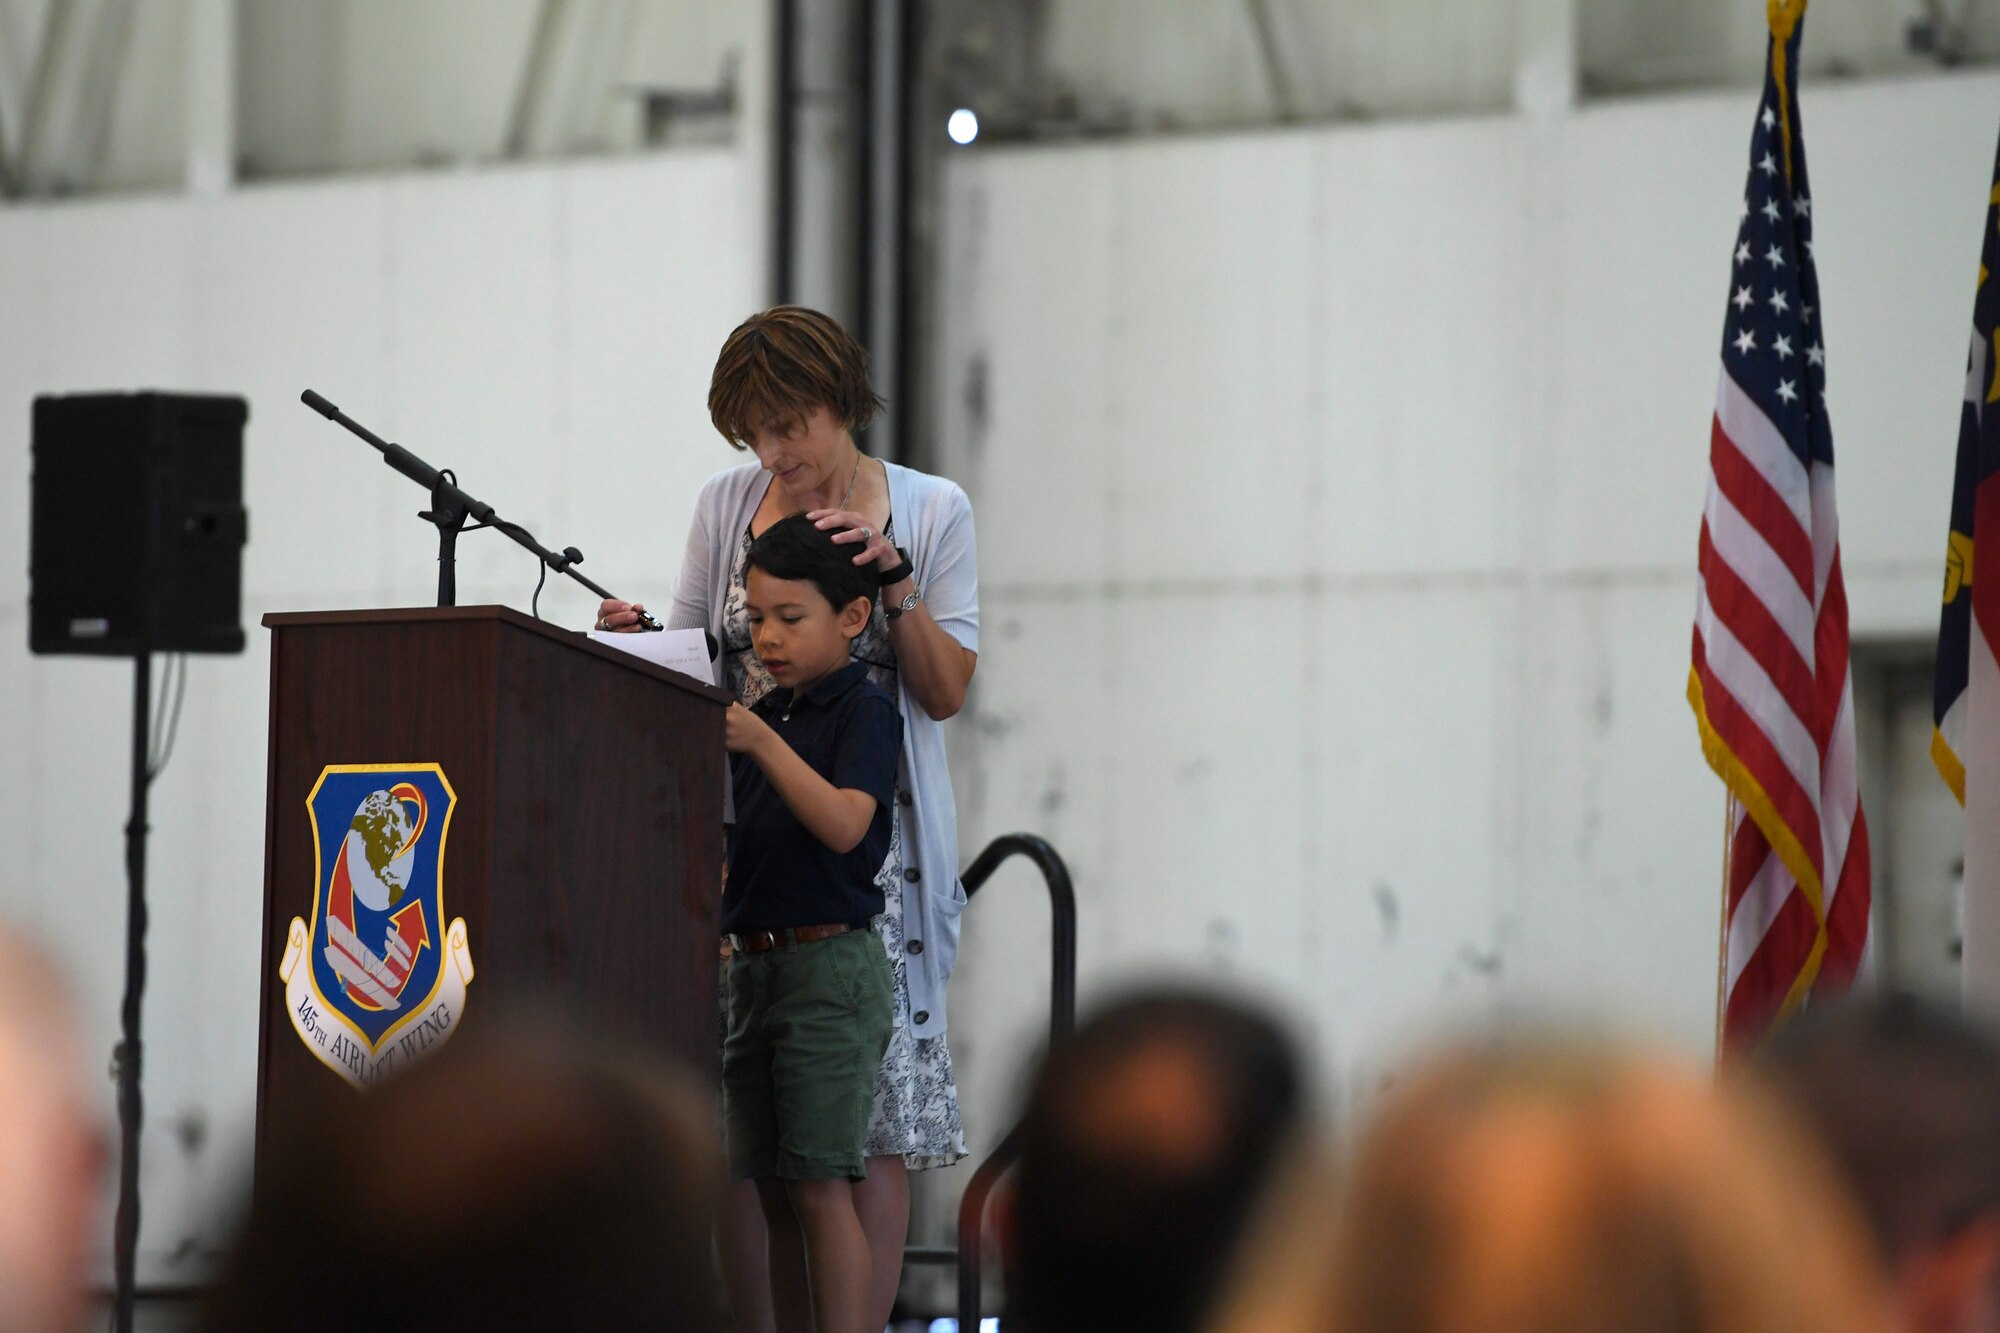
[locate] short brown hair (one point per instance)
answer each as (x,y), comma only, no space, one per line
(789,359)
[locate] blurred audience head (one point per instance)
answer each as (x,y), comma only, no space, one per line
(1535,1186)
(1148,1136)
(53,1151)
(1906,1099)
(519,1179)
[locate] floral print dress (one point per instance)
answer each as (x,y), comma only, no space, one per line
(915,1116)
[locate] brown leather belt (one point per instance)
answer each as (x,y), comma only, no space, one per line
(762,941)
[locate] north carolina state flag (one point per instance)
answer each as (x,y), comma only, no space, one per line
(1966,709)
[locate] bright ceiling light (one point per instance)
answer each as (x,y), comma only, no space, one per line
(963,127)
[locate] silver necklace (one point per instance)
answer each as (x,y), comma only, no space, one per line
(852,479)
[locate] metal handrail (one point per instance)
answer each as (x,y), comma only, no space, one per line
(1062,914)
(1062,1020)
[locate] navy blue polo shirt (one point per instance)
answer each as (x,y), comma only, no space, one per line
(849,732)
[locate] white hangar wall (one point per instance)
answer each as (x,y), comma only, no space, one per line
(548,331)
(1338,493)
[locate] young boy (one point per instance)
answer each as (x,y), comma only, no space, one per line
(809,991)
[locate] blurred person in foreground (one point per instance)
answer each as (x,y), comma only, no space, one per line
(520,1179)
(53,1150)
(1535,1186)
(1149,1135)
(1906,1100)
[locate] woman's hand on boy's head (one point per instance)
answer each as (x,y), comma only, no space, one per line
(743,730)
(870,546)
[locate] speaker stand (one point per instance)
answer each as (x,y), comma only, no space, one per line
(130,1056)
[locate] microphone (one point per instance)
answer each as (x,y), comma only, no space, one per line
(646,622)
(571,557)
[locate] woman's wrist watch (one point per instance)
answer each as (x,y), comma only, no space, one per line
(902,608)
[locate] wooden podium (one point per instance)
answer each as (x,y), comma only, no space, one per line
(561,800)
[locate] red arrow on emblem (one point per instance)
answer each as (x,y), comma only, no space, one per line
(416,935)
(408,934)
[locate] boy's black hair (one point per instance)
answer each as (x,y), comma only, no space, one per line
(792,548)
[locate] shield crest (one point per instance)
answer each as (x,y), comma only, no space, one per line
(379,975)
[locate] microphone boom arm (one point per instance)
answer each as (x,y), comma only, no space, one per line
(450,507)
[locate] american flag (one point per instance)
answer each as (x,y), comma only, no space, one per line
(1770,683)
(1968,673)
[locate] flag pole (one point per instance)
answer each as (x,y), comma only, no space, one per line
(1722,947)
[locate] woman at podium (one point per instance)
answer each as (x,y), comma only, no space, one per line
(791,386)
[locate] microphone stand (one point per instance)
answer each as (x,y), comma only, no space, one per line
(451,507)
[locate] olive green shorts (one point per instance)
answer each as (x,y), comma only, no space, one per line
(808,1024)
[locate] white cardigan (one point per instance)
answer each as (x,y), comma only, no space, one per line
(933,522)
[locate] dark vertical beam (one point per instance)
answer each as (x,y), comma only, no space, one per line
(884,261)
(899,354)
(785,152)
(869,138)
(867,207)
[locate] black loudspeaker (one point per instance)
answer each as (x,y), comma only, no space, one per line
(137,528)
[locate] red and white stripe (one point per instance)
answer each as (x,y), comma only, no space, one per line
(1771,660)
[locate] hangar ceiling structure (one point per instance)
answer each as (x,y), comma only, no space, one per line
(116,95)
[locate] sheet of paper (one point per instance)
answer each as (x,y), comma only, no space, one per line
(682,650)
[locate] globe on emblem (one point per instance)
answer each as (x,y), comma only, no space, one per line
(383,833)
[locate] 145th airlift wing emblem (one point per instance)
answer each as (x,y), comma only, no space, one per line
(379,977)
